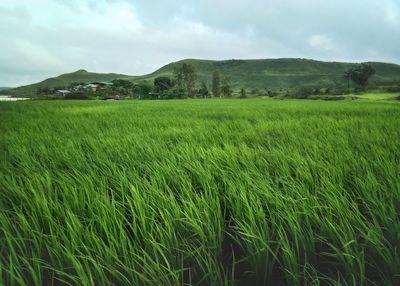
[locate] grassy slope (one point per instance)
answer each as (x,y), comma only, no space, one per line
(279,73)
(271,73)
(65,80)
(374,96)
(163,192)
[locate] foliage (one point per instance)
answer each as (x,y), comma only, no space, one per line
(162,84)
(142,90)
(301,92)
(64,81)
(393,88)
(185,79)
(205,192)
(77,95)
(121,83)
(243,93)
(226,90)
(271,93)
(278,73)
(249,74)
(337,90)
(360,74)
(216,84)
(255,92)
(203,91)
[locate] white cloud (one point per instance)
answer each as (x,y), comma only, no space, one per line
(323,43)
(392,13)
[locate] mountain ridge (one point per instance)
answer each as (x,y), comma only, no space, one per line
(281,73)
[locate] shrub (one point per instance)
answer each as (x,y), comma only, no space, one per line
(394,89)
(77,95)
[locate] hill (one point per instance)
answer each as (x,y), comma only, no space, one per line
(251,74)
(279,73)
(4,88)
(65,80)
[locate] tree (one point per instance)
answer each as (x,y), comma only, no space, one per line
(360,74)
(347,76)
(142,90)
(122,83)
(203,91)
(255,91)
(302,92)
(162,84)
(243,93)
(185,79)
(216,84)
(119,86)
(226,88)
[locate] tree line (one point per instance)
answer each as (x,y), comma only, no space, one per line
(359,75)
(183,84)
(356,77)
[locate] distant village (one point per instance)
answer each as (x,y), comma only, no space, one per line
(183,84)
(104,90)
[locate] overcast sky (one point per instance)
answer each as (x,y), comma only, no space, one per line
(44,38)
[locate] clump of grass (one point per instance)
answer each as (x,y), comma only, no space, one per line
(219,192)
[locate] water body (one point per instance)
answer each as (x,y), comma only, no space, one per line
(9,98)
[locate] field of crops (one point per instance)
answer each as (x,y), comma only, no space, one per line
(200,192)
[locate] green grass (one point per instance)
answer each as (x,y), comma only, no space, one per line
(199,192)
(378,96)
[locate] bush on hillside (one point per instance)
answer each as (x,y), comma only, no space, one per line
(393,88)
(77,95)
(302,92)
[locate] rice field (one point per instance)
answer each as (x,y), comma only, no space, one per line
(200,192)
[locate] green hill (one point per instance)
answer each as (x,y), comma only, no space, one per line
(65,80)
(280,73)
(268,73)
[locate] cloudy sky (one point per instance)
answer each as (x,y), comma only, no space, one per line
(43,38)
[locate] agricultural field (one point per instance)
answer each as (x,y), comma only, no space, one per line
(200,192)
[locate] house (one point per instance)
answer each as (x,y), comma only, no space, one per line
(63,92)
(102,84)
(91,87)
(77,87)
(95,86)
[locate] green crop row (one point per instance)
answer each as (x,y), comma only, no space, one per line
(199,192)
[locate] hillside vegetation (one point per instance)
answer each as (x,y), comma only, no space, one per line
(199,192)
(280,73)
(65,80)
(251,74)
